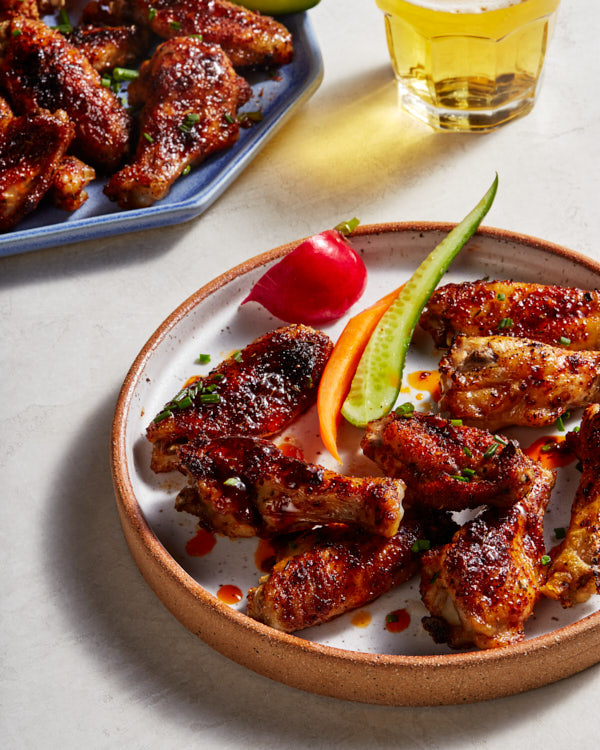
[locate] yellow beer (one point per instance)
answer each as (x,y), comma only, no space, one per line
(466,64)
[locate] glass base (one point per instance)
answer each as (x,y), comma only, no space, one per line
(463,120)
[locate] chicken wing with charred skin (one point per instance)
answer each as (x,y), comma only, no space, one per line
(448,466)
(39,69)
(328,572)
(246,37)
(190,95)
(574,574)
(257,392)
(556,315)
(482,587)
(32,148)
(108,47)
(496,381)
(243,486)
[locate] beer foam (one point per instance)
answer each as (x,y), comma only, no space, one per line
(464,6)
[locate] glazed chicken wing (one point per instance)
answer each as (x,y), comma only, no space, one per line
(12,8)
(242,486)
(40,70)
(448,466)
(556,315)
(257,392)
(246,37)
(69,183)
(190,95)
(496,381)
(575,571)
(108,47)
(31,150)
(481,587)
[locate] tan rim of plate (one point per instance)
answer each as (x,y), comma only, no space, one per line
(369,678)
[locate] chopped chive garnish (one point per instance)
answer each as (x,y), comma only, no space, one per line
(467,451)
(218,376)
(468,472)
(184,402)
(151,14)
(16,32)
(255,116)
(235,482)
(459,478)
(391,617)
(229,118)
(148,137)
(564,341)
(64,24)
(237,355)
(560,424)
(163,415)
(203,359)
(456,422)
(576,428)
(345,227)
(548,447)
(175,25)
(190,120)
(491,450)
(421,545)
(196,36)
(186,170)
(106,82)
(501,296)
(125,74)
(505,323)
(499,440)
(405,410)
(545,560)
(209,398)
(560,532)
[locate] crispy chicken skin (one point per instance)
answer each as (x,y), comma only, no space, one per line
(246,37)
(574,574)
(258,392)
(12,8)
(190,95)
(481,587)
(39,69)
(243,486)
(108,47)
(31,150)
(556,315)
(448,466)
(69,183)
(496,381)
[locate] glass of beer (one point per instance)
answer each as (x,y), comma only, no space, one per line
(468,65)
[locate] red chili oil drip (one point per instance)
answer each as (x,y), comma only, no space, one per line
(265,556)
(201,544)
(361,619)
(397,621)
(291,450)
(426,380)
(551,452)
(230,594)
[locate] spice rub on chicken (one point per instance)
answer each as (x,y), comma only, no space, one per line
(560,316)
(481,588)
(446,464)
(243,486)
(108,47)
(321,574)
(496,381)
(574,574)
(256,392)
(190,96)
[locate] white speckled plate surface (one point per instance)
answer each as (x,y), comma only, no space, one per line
(339,658)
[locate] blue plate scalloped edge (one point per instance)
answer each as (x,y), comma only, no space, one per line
(276,96)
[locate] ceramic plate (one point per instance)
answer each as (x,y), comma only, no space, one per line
(276,97)
(351,657)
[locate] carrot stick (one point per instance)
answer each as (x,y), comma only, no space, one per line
(340,369)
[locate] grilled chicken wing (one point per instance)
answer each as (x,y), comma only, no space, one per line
(108,47)
(246,37)
(481,587)
(31,150)
(575,571)
(190,94)
(556,315)
(448,466)
(341,571)
(497,381)
(256,393)
(243,486)
(12,8)
(40,70)
(69,183)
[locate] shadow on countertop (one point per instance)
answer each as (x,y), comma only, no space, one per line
(149,658)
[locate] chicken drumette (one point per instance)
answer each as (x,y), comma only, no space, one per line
(190,96)
(575,571)
(108,47)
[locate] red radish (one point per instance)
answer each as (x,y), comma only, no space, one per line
(315,283)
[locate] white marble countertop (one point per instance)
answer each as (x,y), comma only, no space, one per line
(90,658)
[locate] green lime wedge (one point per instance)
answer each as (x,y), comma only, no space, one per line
(378,377)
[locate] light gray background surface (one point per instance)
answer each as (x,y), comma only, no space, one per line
(89,657)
